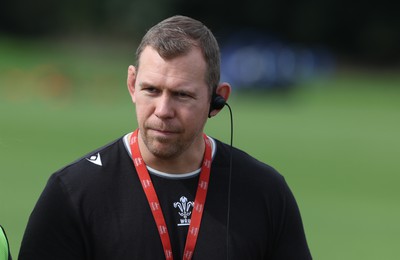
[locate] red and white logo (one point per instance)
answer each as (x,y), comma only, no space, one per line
(137,161)
(207,163)
(146,183)
(203,184)
(188,254)
(168,254)
(193,231)
(162,229)
(154,206)
(198,207)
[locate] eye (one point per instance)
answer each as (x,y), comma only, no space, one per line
(151,90)
(183,95)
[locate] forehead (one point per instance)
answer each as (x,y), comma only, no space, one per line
(189,67)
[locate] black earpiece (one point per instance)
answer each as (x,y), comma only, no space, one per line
(217,102)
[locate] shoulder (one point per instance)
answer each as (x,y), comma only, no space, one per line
(84,183)
(248,168)
(241,159)
(95,166)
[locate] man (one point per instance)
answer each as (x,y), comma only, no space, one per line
(4,246)
(167,190)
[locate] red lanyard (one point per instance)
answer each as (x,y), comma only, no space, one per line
(154,204)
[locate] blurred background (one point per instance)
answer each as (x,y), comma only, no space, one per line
(316,95)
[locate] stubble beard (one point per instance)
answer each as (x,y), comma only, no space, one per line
(164,148)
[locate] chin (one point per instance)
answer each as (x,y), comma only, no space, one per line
(164,150)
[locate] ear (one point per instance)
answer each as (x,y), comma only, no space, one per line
(224,90)
(131,80)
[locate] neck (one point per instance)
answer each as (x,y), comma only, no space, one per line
(187,161)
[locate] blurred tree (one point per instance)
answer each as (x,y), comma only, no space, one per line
(367,31)
(47,17)
(359,29)
(29,17)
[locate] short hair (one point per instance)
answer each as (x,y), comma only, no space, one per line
(176,36)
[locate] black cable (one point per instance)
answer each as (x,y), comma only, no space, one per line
(229,185)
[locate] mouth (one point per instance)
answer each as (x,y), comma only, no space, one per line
(164,132)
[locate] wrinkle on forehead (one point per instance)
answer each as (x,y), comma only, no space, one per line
(182,70)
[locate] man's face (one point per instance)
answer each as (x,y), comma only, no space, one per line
(172,102)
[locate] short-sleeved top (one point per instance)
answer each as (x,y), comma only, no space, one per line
(95,208)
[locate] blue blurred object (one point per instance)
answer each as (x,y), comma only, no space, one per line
(254,60)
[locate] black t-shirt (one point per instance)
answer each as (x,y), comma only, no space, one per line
(95,208)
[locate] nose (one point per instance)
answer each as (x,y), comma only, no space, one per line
(164,107)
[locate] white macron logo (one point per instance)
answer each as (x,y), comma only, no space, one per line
(95,159)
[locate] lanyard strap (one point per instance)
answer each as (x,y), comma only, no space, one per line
(154,203)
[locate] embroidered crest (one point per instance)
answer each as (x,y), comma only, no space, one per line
(185,210)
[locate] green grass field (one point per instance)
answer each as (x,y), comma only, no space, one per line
(336,139)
